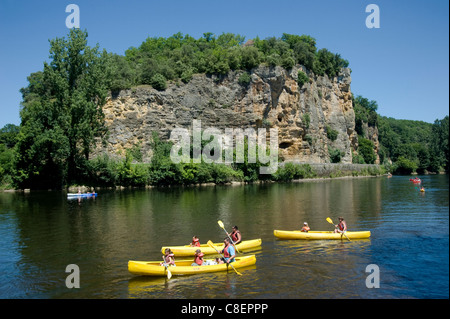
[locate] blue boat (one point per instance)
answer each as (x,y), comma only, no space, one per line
(80,195)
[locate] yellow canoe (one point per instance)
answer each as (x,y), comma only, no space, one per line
(296,234)
(183,267)
(190,251)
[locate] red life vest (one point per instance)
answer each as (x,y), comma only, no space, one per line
(198,259)
(234,236)
(226,254)
(341,226)
(196,243)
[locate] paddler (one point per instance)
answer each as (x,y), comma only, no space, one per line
(342,226)
(235,235)
(169,258)
(228,251)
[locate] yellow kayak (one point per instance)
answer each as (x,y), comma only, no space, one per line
(190,251)
(183,267)
(296,234)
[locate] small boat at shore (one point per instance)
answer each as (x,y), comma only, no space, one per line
(296,234)
(80,195)
(188,250)
(184,267)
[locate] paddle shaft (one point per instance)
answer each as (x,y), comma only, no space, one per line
(169,274)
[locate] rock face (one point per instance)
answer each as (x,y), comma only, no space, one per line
(272,99)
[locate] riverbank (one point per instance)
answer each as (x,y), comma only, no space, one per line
(286,173)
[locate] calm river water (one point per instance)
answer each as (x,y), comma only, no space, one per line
(43,232)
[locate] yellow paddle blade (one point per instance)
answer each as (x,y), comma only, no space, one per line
(169,274)
(220,224)
(329,220)
(210,244)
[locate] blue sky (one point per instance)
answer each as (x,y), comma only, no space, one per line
(403,65)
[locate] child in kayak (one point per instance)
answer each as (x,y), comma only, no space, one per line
(305,227)
(198,259)
(169,258)
(195,242)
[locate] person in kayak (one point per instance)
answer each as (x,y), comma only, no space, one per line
(235,235)
(341,227)
(198,259)
(228,251)
(169,258)
(305,227)
(195,242)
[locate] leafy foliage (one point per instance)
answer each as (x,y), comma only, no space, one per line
(62,114)
(366,150)
(302,78)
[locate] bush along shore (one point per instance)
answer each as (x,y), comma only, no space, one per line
(104,171)
(108,173)
(203,174)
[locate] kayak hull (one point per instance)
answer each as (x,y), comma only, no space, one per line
(190,251)
(311,235)
(82,195)
(183,267)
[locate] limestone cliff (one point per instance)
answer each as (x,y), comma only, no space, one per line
(273,98)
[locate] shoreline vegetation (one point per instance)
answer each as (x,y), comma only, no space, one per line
(62,119)
(333,172)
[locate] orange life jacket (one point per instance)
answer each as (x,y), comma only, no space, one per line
(198,258)
(234,236)
(226,254)
(196,243)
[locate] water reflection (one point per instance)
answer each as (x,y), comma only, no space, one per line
(43,232)
(191,286)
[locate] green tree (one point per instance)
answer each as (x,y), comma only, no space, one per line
(302,78)
(158,81)
(366,150)
(62,114)
(405,166)
(439,145)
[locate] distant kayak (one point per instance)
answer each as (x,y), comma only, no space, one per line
(81,195)
(296,234)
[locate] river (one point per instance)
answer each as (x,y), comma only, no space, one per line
(43,232)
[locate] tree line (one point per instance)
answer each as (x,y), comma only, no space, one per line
(62,118)
(406,146)
(158,60)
